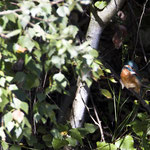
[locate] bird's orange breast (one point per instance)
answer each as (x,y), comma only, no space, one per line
(129,80)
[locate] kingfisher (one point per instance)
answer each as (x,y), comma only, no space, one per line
(130,78)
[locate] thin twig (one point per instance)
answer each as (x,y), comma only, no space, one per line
(141,43)
(139,25)
(3,36)
(56,2)
(96,123)
(44,80)
(98,120)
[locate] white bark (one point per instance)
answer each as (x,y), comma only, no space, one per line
(97,23)
(78,107)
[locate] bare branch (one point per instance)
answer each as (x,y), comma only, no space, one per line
(98,120)
(9,12)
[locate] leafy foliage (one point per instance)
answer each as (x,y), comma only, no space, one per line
(38,48)
(42,53)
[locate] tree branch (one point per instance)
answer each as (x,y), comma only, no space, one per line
(9,12)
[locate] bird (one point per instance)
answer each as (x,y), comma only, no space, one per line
(130,78)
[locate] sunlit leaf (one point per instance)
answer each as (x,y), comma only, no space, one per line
(25,107)
(94,53)
(88,82)
(70,30)
(18,131)
(101,4)
(19,49)
(112,80)
(59,77)
(62,11)
(106,93)
(10,125)
(107,70)
(18,104)
(13,33)
(12,17)
(26,42)
(2,81)
(8,118)
(24,20)
(125,143)
(5,145)
(3,136)
(105,146)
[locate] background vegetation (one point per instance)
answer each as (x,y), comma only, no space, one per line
(43,53)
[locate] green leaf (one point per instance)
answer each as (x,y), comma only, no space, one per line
(31,81)
(5,145)
(8,118)
(105,146)
(72,141)
(106,93)
(41,96)
(31,32)
(12,87)
(76,135)
(58,143)
(2,81)
(26,42)
(12,17)
(18,104)
(139,127)
(27,123)
(107,70)
(3,100)
(70,31)
(125,143)
(101,4)
(10,125)
(27,132)
(24,106)
(57,61)
(2,134)
(59,77)
(15,147)
(62,11)
(88,82)
(112,80)
(24,20)
(46,137)
(27,59)
(94,53)
(13,33)
(90,127)
(18,132)
(19,77)
(89,58)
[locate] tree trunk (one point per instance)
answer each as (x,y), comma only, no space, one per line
(98,21)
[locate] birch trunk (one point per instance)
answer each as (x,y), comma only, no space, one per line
(97,23)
